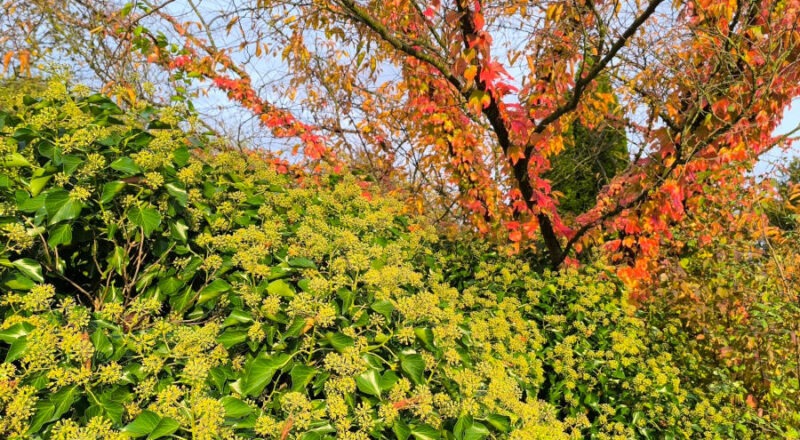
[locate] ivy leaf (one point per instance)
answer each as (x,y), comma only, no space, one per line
(16,281)
(61,234)
(146,218)
(168,286)
(295,329)
(112,409)
(63,400)
(110,141)
(14,160)
(237,316)
(425,335)
(301,376)
(30,268)
(499,422)
(118,259)
(178,230)
(71,162)
(16,331)
(303,263)
(101,343)
(44,413)
(231,337)
(143,425)
(178,193)
(32,204)
(467,429)
(340,341)
(369,383)
(126,165)
(181,156)
(413,366)
(213,290)
(401,430)
(166,426)
(60,206)
(280,288)
(425,432)
(385,308)
(388,380)
(17,349)
(37,184)
(110,190)
(260,371)
(235,408)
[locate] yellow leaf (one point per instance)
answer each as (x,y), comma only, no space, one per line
(231,23)
(470,72)
(554,10)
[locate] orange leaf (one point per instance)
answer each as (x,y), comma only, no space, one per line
(24,62)
(478,21)
(7,60)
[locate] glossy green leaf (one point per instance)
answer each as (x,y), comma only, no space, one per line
(37,184)
(231,337)
(14,160)
(178,230)
(60,206)
(303,263)
(401,430)
(280,288)
(60,235)
(413,367)
(385,308)
(301,376)
(260,371)
(30,268)
(165,427)
(16,331)
(17,349)
(235,408)
(213,290)
(126,165)
(369,382)
(110,190)
(143,424)
(146,218)
(425,432)
(340,341)
(178,193)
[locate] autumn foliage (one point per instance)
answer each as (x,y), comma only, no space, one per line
(472,102)
(565,133)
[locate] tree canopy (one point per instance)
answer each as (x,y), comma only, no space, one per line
(472,102)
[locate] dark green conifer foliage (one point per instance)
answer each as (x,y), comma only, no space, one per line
(593,156)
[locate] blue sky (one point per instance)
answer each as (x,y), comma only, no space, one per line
(776,157)
(791,119)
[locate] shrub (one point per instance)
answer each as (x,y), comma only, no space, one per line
(157,284)
(736,297)
(154,291)
(611,370)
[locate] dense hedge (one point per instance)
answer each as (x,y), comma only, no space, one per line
(155,285)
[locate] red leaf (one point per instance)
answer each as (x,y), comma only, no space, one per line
(477,21)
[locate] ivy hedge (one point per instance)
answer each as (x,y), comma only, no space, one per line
(157,284)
